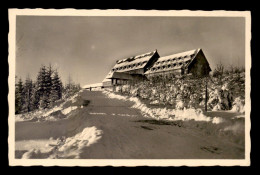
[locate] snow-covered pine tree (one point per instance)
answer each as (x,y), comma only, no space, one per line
(49,84)
(40,82)
(19,96)
(44,101)
(42,88)
(56,90)
(27,90)
(35,97)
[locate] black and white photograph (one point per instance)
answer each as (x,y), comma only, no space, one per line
(129,88)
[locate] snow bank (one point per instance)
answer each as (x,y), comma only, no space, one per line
(217,120)
(42,144)
(180,113)
(68,110)
(238,105)
(53,114)
(55,109)
(19,118)
(73,145)
(70,147)
(73,98)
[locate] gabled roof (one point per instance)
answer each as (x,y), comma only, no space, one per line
(173,62)
(118,75)
(135,62)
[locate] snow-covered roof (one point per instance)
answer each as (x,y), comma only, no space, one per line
(107,77)
(131,63)
(173,62)
(119,75)
(92,85)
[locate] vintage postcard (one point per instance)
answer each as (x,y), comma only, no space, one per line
(129,87)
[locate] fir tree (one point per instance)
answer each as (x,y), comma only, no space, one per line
(44,101)
(35,97)
(41,88)
(27,91)
(19,97)
(49,84)
(56,89)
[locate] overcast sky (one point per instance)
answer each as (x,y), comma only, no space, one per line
(87,47)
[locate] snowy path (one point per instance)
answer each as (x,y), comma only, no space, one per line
(126,134)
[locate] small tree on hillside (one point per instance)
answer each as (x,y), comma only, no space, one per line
(19,96)
(35,97)
(219,73)
(42,85)
(48,80)
(56,89)
(28,88)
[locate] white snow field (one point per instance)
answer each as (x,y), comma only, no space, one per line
(60,148)
(167,114)
(49,114)
(113,126)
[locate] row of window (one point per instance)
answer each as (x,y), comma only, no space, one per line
(169,66)
(129,66)
(174,59)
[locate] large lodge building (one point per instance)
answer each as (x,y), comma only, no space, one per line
(151,64)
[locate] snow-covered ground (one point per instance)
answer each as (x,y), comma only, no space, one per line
(218,121)
(70,147)
(167,114)
(52,114)
(113,126)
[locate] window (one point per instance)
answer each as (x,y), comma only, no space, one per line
(174,65)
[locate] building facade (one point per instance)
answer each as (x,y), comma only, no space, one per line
(130,69)
(190,62)
(150,64)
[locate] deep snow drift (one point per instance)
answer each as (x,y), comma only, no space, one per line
(52,114)
(164,113)
(118,130)
(70,147)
